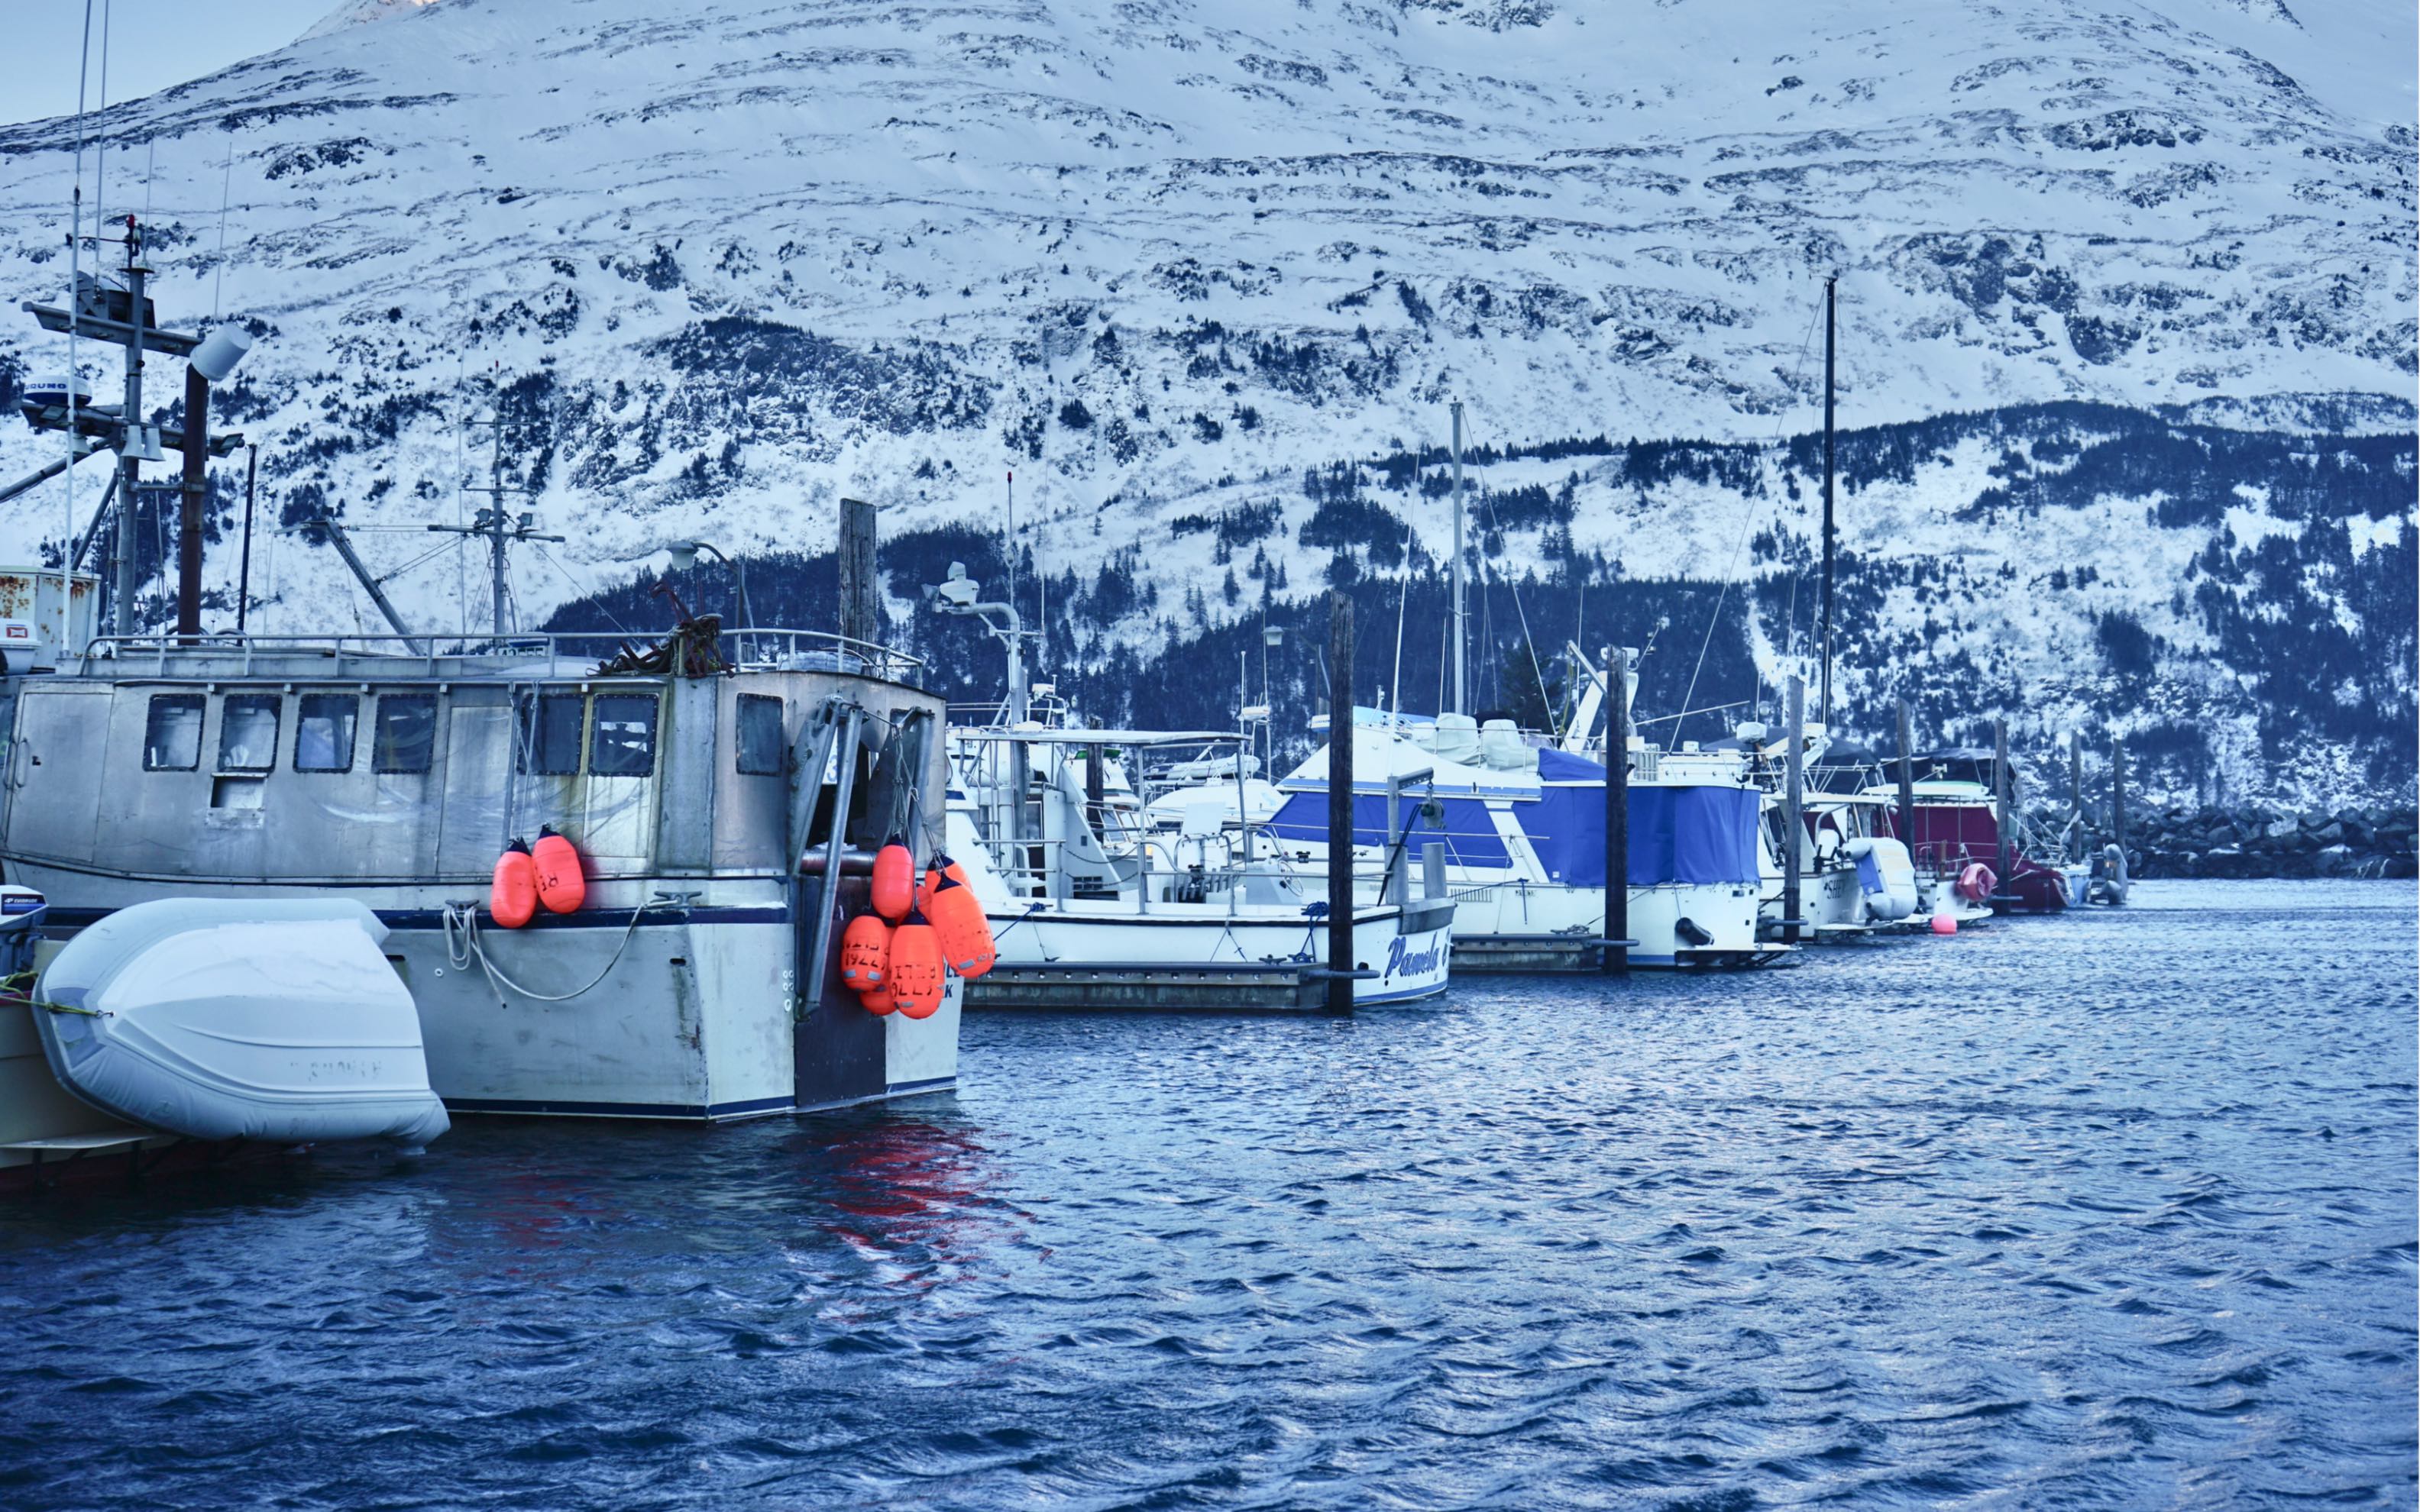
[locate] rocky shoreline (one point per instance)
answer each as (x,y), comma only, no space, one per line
(2273,842)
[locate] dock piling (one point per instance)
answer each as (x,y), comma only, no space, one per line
(2000,787)
(1907,783)
(2118,793)
(1617,810)
(1340,803)
(860,585)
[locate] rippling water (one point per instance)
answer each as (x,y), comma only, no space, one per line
(2110,1210)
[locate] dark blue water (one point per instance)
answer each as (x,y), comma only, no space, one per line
(2109,1210)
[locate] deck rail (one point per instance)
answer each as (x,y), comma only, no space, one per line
(542,652)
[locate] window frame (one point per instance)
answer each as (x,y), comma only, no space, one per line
(352,730)
(597,704)
(199,703)
(378,766)
(739,736)
(275,704)
(531,719)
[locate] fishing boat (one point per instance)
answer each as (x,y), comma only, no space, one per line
(703,810)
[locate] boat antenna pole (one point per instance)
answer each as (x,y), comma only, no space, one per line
(495,522)
(1830,287)
(1461,700)
(76,367)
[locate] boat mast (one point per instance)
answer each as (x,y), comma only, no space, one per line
(1461,702)
(128,456)
(1830,286)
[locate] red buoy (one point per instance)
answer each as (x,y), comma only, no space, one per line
(513,897)
(965,934)
(865,953)
(560,884)
(916,967)
(879,1001)
(894,882)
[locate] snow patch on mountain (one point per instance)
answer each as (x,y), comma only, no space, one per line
(721,264)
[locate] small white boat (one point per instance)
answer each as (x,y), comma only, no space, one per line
(240,1019)
(1099,886)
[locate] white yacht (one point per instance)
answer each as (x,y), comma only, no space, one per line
(1522,826)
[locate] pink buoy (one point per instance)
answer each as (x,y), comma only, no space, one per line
(1943,924)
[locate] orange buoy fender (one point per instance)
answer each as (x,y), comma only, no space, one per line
(1977,883)
(879,1001)
(865,953)
(561,887)
(916,967)
(942,866)
(965,934)
(894,882)
(513,898)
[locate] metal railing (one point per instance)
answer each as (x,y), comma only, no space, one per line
(544,654)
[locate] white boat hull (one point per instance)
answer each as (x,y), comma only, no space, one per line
(687,1015)
(1725,913)
(1410,949)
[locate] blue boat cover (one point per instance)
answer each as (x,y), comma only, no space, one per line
(1676,833)
(1468,829)
(1562,766)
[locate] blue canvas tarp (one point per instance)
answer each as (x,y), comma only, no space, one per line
(1676,833)
(1468,829)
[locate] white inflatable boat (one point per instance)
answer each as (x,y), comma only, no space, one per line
(240,1020)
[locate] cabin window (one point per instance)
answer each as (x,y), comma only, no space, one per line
(406,740)
(549,742)
(171,738)
(624,743)
(323,731)
(760,735)
(248,733)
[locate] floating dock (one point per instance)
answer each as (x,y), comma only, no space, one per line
(1275,987)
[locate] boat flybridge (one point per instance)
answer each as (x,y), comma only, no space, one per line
(1521,820)
(712,787)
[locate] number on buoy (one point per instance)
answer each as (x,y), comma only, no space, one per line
(865,953)
(561,885)
(916,967)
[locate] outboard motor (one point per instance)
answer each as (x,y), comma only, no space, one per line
(21,911)
(1886,878)
(2109,875)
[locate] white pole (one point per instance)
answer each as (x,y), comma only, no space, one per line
(1461,698)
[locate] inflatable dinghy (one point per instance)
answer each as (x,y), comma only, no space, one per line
(235,1019)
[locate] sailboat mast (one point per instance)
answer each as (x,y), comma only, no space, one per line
(1461,701)
(1830,286)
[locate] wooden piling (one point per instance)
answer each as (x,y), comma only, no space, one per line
(1793,824)
(860,585)
(2118,793)
(2000,797)
(1616,810)
(1340,803)
(1907,781)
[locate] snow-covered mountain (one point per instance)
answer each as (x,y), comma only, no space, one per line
(725,262)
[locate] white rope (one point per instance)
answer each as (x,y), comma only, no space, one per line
(464,946)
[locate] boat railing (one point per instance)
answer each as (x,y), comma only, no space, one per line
(544,654)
